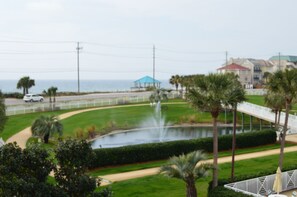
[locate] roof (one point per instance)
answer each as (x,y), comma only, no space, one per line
(233,66)
(289,58)
(147,79)
(260,62)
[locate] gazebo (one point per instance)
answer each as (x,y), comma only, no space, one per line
(145,82)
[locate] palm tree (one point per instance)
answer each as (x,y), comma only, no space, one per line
(48,93)
(185,167)
(285,84)
(266,76)
(46,126)
(54,92)
(25,83)
(3,117)
(236,95)
(210,94)
(175,80)
(158,95)
(276,102)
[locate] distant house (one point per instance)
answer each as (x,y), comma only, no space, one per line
(257,67)
(244,73)
(146,82)
(284,62)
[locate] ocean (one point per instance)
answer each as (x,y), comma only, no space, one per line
(8,86)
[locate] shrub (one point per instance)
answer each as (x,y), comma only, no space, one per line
(91,132)
(221,191)
(14,95)
(79,132)
(157,151)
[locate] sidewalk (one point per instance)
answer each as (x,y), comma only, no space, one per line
(107,179)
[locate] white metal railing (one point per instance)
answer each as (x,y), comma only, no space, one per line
(262,186)
(38,107)
(265,113)
(255,91)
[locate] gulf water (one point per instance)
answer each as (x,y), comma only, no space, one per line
(8,86)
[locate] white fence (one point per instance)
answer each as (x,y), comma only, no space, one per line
(255,91)
(39,107)
(265,113)
(262,186)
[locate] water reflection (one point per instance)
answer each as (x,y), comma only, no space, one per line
(142,136)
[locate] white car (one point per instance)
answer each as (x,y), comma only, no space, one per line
(33,98)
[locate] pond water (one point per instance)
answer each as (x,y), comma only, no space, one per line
(142,136)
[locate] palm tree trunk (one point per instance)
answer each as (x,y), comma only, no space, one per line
(45,138)
(283,140)
(215,153)
(191,189)
(275,119)
(24,91)
(233,141)
(279,115)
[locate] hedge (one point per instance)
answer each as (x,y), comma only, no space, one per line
(164,150)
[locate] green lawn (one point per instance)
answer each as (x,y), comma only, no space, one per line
(259,100)
(17,123)
(155,186)
(131,117)
(256,99)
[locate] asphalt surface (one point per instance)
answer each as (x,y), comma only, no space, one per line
(12,101)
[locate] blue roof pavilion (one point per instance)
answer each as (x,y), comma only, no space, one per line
(146,81)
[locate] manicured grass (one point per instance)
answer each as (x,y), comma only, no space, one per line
(146,165)
(153,186)
(259,100)
(17,123)
(256,99)
(132,117)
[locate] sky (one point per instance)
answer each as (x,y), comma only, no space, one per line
(38,38)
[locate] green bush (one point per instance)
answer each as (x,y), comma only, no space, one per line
(221,191)
(164,150)
(13,95)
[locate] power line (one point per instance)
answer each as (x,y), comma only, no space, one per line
(190,52)
(113,55)
(189,61)
(36,42)
(115,46)
(33,52)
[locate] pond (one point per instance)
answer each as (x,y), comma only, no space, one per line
(143,136)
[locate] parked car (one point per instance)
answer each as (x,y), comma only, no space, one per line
(33,98)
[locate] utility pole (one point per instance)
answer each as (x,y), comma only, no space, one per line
(279,61)
(78,49)
(226,58)
(154,57)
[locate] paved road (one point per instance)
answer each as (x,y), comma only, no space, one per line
(12,101)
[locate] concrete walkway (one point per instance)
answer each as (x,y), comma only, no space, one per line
(107,179)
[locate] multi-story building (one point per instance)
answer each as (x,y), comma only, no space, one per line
(244,73)
(283,62)
(257,68)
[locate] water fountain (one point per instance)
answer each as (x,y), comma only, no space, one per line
(156,123)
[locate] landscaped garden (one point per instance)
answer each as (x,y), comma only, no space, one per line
(204,105)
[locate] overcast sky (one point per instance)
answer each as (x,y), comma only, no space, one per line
(38,37)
